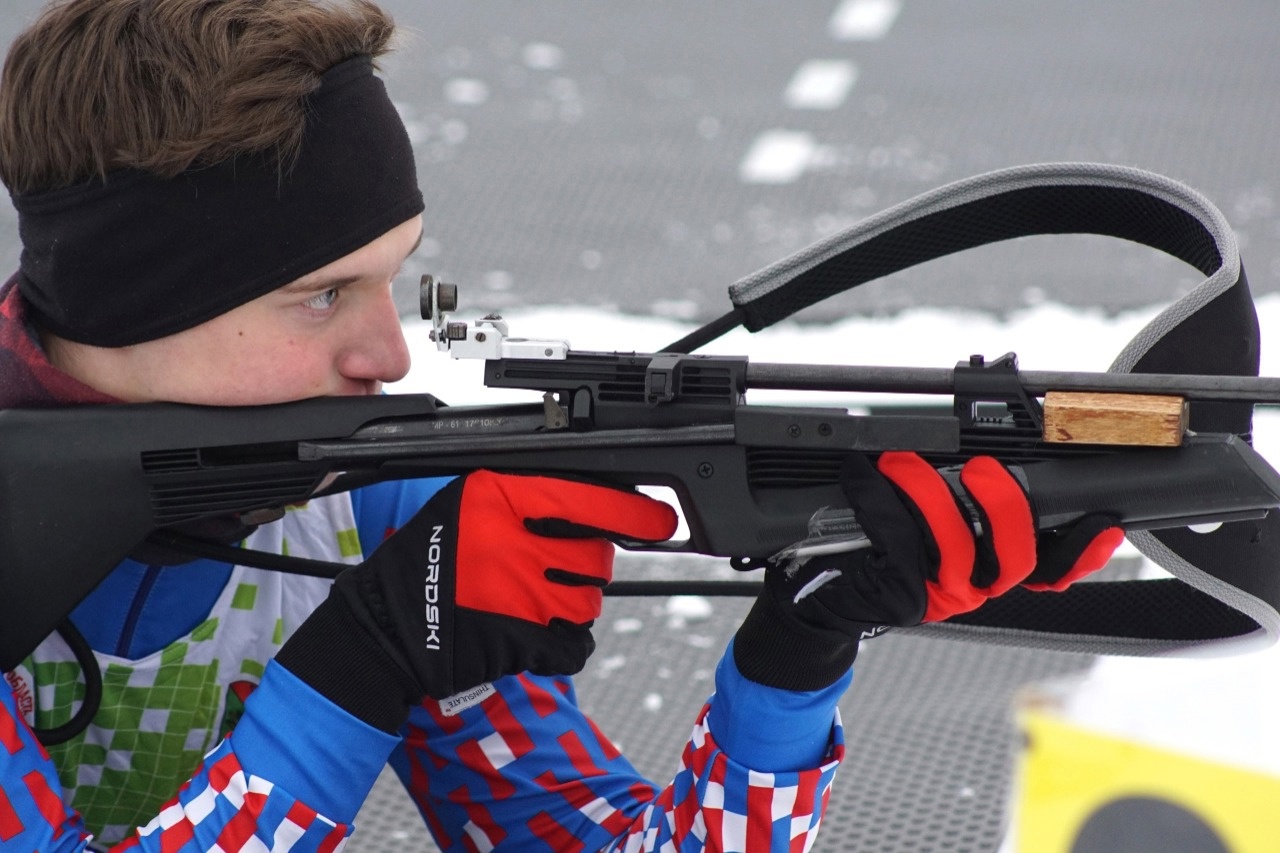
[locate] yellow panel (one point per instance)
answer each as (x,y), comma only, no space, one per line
(1068,773)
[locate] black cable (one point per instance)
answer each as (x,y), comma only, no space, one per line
(195,547)
(92,689)
(324,569)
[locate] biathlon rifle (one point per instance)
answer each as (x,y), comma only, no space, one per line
(1161,441)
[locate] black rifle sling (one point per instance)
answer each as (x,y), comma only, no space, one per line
(1224,586)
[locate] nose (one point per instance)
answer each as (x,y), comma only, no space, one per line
(377,351)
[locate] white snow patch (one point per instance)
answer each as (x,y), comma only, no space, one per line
(606,665)
(820,84)
(777,156)
(691,607)
(863,20)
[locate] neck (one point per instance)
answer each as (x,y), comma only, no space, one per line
(29,378)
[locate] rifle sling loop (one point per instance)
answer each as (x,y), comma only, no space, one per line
(1226,589)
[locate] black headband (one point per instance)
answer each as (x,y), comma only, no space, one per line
(136,257)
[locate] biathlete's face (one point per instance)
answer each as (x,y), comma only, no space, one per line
(335,331)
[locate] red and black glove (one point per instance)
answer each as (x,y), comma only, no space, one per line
(924,564)
(497,574)
(931,529)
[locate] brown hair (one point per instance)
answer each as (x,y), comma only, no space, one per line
(162,85)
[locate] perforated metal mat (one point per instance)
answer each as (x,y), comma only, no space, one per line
(928,723)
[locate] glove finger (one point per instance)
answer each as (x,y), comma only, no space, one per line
(567,649)
(586,565)
(888,523)
(582,509)
(1006,551)
(564,577)
(488,647)
(950,590)
(559,528)
(1081,550)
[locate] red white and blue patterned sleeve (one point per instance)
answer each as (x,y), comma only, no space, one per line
(32,815)
(522,766)
(221,808)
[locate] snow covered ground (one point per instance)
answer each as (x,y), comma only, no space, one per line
(1221,708)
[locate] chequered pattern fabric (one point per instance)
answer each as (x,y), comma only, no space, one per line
(715,804)
(156,723)
(220,810)
(250,816)
(160,714)
(526,769)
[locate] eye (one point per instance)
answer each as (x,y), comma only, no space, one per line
(322,301)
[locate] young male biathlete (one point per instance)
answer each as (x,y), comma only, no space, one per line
(214,197)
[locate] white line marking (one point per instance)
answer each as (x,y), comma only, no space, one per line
(466,91)
(777,157)
(863,20)
(821,84)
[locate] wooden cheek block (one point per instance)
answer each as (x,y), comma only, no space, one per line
(1085,417)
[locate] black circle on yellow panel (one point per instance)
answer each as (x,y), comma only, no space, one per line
(1146,825)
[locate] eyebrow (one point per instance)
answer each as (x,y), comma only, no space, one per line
(306,285)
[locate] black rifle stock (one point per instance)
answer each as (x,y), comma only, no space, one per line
(84,487)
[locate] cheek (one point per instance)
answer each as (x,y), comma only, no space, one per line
(289,367)
(253,370)
(256,359)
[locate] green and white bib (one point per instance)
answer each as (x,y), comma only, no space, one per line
(162,713)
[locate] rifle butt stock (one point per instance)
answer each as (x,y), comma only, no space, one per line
(82,487)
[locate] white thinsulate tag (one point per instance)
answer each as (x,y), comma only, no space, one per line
(452,706)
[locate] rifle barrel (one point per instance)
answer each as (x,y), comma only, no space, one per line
(357,449)
(1259,390)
